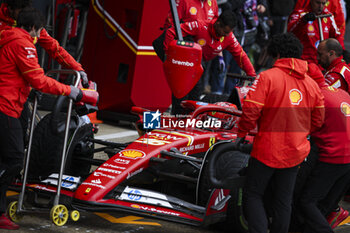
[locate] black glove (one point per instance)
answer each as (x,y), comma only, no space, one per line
(238,143)
(309,17)
(86,96)
(74,93)
(84,79)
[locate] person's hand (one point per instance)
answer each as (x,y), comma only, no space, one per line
(221,64)
(238,142)
(84,79)
(74,92)
(309,17)
(86,96)
(261,9)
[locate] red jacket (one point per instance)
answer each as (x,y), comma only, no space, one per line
(309,33)
(19,69)
(338,75)
(334,6)
(333,139)
(50,45)
(286,104)
(204,34)
(191,10)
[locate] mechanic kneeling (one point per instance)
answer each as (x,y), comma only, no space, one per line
(19,71)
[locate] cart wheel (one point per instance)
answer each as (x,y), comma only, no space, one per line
(59,215)
(12,212)
(75,215)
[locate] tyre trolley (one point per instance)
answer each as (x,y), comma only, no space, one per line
(58,213)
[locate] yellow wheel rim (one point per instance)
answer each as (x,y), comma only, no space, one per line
(75,215)
(12,212)
(59,215)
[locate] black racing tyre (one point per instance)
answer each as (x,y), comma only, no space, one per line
(46,151)
(46,102)
(228,165)
(235,220)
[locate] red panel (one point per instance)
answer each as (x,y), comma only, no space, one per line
(183,66)
(153,18)
(146,80)
(145,84)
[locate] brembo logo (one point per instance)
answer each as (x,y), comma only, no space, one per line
(182,63)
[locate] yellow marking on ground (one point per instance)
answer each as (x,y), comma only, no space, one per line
(125,220)
(347,220)
(11,193)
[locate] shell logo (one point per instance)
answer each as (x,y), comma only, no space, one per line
(310,28)
(345,108)
(209,2)
(193,10)
(201,42)
(133,154)
(295,96)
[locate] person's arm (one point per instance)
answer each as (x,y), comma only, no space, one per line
(169,21)
(318,113)
(240,56)
(53,48)
(339,17)
(295,22)
(26,60)
(252,107)
(335,33)
(215,9)
(336,80)
(189,28)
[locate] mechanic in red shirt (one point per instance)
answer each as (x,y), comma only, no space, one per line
(8,14)
(188,11)
(286,105)
(304,25)
(19,71)
(9,10)
(213,37)
(334,6)
(192,10)
(331,173)
(337,72)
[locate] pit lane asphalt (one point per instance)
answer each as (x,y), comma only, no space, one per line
(119,222)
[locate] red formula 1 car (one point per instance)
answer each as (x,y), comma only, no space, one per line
(166,173)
